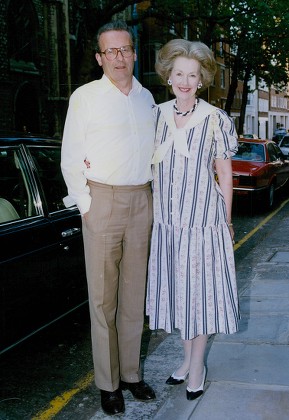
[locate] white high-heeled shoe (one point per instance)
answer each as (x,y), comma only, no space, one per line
(192,394)
(176,380)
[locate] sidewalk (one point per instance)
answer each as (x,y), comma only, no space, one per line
(248,372)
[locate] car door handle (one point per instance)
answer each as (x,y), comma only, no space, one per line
(70,232)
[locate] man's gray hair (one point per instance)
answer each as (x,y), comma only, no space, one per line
(117,25)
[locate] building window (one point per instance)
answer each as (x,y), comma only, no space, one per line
(274,101)
(263,105)
(172,29)
(22,30)
(223,78)
(221,49)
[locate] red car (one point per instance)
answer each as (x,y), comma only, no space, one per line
(259,169)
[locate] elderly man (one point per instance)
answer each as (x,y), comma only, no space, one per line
(106,162)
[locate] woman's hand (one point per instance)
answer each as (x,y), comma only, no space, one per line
(232,232)
(85,215)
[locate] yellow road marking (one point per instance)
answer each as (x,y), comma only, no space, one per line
(58,403)
(253,231)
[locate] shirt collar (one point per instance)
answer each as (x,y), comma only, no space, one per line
(136,86)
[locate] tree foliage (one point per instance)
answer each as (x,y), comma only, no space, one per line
(258,36)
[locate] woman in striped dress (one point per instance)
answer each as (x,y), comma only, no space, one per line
(192,282)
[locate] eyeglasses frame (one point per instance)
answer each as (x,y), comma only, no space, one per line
(118,50)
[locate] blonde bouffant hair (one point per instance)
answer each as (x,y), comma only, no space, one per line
(189,49)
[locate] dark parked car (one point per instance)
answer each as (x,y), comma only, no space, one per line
(279,134)
(284,145)
(277,138)
(259,169)
(42,274)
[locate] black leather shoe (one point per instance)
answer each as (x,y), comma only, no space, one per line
(140,390)
(176,380)
(192,394)
(112,402)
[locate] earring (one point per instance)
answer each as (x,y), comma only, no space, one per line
(169,82)
(200,85)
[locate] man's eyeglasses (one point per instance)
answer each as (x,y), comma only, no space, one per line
(111,53)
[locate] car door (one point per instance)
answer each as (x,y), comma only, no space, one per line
(37,261)
(66,224)
(279,167)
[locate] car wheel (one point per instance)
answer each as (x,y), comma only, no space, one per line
(271,196)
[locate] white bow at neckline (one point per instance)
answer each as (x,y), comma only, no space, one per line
(179,135)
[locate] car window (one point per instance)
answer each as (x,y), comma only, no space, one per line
(47,162)
(250,151)
(285,142)
(16,201)
(274,152)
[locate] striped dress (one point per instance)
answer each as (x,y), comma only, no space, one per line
(191,277)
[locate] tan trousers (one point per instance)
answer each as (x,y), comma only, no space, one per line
(116,236)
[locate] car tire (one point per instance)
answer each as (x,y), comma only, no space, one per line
(271,196)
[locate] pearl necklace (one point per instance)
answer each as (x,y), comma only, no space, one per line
(184,114)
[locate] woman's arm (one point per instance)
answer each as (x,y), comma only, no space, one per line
(225,179)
